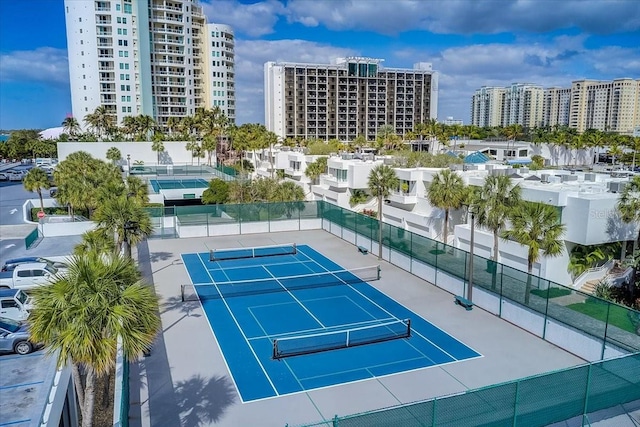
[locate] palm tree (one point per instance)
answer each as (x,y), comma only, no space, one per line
(100,120)
(158,147)
(114,155)
(191,147)
(629,204)
(95,243)
(36,180)
(82,315)
(173,124)
(144,125)
(382,179)
(447,191)
(71,126)
(316,168)
(135,187)
(537,226)
(125,218)
(495,201)
(493,204)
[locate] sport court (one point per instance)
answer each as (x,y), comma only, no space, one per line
(176,184)
(288,319)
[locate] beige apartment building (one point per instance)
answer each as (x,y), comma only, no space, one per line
(350,97)
(605,105)
(588,104)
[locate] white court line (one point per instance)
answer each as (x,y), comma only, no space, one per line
(245,338)
(296,299)
(389,313)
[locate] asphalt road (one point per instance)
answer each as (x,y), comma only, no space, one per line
(13,228)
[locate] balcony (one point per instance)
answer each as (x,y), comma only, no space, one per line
(293,172)
(333,181)
(403,198)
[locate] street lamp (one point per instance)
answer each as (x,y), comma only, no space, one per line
(471,243)
(128,164)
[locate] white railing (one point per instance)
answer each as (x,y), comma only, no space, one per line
(595,273)
(618,279)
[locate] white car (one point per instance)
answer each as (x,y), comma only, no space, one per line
(14,175)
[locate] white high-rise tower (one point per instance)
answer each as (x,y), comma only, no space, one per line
(148,57)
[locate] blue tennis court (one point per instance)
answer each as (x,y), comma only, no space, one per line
(294,322)
(173,184)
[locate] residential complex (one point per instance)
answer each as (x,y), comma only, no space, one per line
(151,57)
(351,97)
(521,103)
(586,201)
(589,104)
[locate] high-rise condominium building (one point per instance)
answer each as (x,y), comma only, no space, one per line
(350,97)
(605,105)
(152,57)
(520,103)
(557,105)
(487,106)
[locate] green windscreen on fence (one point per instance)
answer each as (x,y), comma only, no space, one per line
(31,238)
(533,401)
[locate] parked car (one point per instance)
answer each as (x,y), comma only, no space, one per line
(13,175)
(4,176)
(11,264)
(28,276)
(15,337)
(15,304)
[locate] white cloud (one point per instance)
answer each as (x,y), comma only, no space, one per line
(254,20)
(251,56)
(467,16)
(44,64)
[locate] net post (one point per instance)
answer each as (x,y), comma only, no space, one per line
(295,248)
(408,328)
(211,255)
(347,343)
(182,293)
(379,271)
(275,350)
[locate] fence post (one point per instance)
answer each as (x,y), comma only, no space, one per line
(606,330)
(546,309)
(434,414)
(586,393)
(335,421)
(515,404)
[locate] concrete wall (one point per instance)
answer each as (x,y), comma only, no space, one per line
(175,152)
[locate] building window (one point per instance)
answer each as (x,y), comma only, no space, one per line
(117,7)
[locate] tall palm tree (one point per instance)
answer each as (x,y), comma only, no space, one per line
(158,147)
(125,218)
(100,120)
(447,191)
(36,180)
(82,314)
(537,226)
(71,126)
(191,147)
(173,124)
(129,126)
(493,204)
(382,179)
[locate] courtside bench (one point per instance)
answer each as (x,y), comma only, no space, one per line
(363,250)
(462,301)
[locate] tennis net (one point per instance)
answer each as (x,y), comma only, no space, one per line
(326,341)
(260,251)
(281,284)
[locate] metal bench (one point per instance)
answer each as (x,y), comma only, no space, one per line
(462,301)
(363,250)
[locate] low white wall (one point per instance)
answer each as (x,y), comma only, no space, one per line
(174,152)
(65,228)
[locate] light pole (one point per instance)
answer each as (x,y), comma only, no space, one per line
(471,242)
(128,164)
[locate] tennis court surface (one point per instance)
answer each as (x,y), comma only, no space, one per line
(174,184)
(288,320)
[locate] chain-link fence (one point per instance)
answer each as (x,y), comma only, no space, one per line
(539,400)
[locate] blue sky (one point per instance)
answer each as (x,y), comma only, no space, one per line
(471,43)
